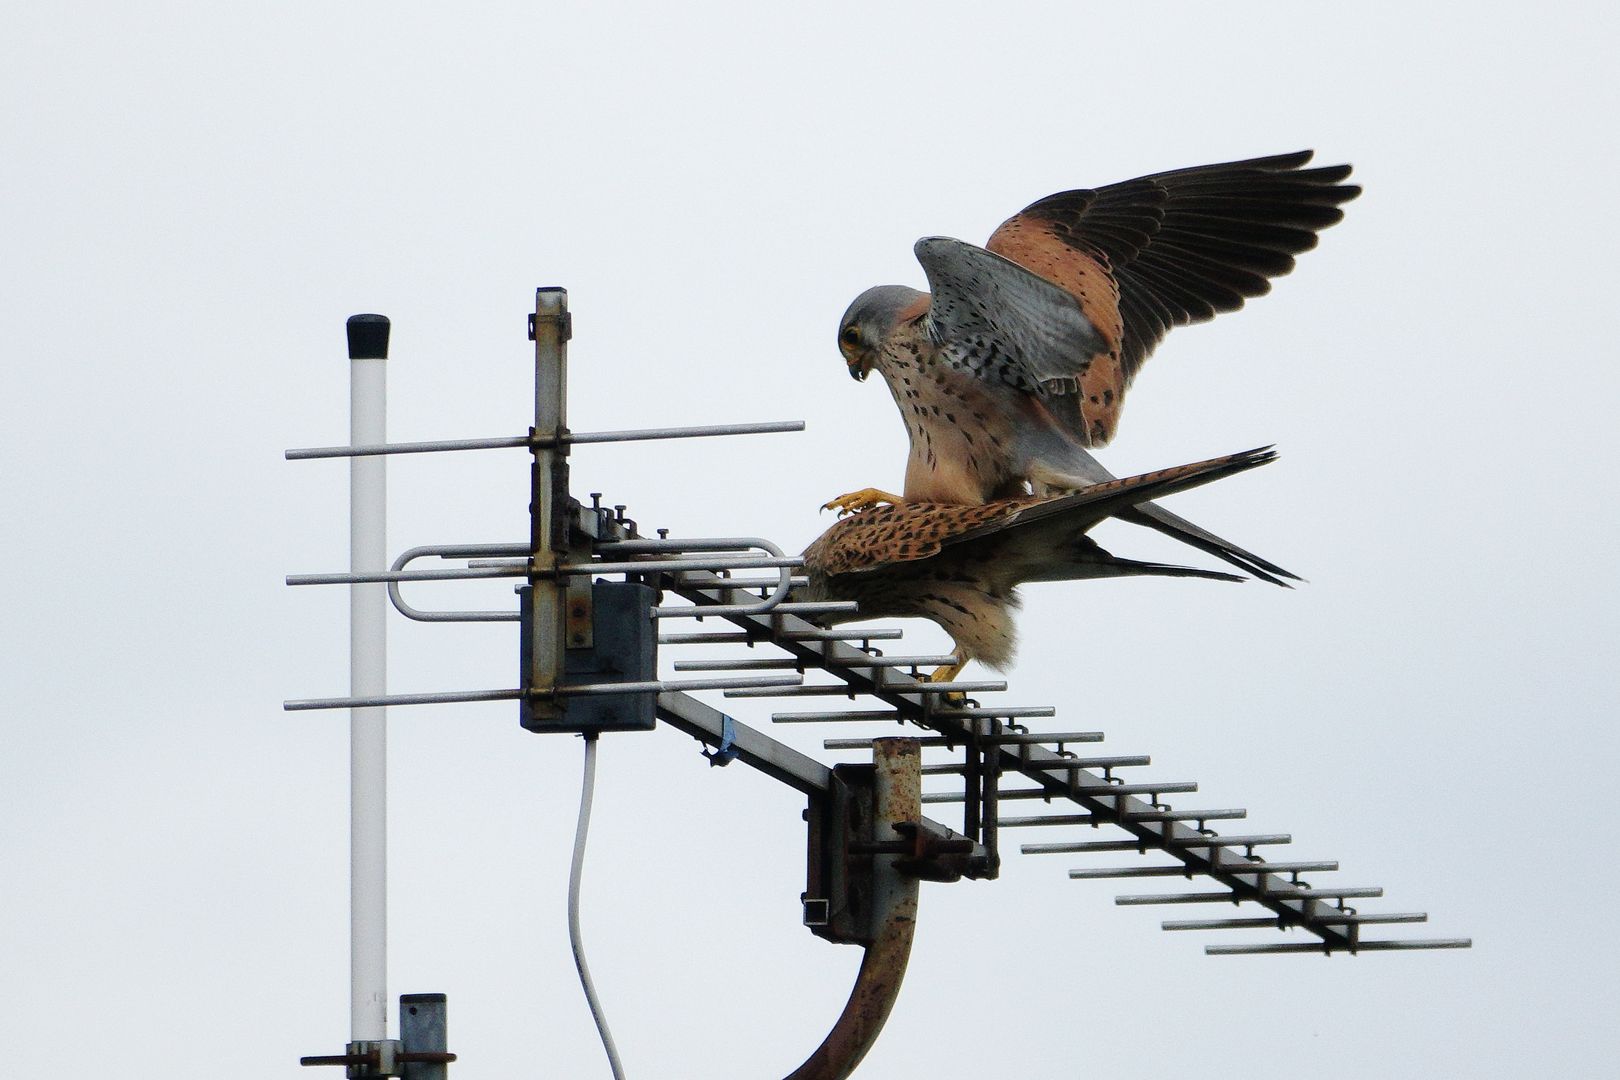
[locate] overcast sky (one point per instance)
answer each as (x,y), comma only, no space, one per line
(194,197)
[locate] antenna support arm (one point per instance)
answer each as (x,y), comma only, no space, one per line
(896,804)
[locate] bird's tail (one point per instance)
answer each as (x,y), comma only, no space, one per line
(1140,511)
(1115,498)
(1157,517)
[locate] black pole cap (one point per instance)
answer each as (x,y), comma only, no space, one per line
(368,337)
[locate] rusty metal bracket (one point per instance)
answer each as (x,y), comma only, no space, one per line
(890,906)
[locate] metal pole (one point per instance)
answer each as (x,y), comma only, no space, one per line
(548,536)
(897,785)
(423,1019)
(368,658)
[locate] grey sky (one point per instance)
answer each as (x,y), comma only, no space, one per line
(194,197)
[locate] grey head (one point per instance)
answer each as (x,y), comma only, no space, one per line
(871,319)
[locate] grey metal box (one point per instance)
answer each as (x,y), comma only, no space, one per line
(624,649)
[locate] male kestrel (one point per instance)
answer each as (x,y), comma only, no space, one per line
(1017,360)
(958,565)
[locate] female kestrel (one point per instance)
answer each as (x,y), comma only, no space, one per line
(959,565)
(1017,359)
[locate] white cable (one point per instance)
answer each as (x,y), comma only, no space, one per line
(573,907)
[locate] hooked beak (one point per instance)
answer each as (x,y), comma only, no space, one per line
(859,367)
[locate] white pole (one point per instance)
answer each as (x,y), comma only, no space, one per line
(368,664)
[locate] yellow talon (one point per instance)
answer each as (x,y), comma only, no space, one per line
(948,673)
(864,499)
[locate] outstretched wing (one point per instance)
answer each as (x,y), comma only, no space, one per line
(1146,255)
(994,319)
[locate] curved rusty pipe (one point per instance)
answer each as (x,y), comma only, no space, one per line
(897,797)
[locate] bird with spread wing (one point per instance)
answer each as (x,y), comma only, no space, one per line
(960,565)
(1015,363)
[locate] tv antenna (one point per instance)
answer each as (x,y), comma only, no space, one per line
(593,614)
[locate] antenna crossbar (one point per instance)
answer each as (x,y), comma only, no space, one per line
(529,442)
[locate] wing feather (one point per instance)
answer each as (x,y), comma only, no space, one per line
(1186,244)
(1001,322)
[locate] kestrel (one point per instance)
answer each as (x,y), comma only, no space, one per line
(959,565)
(1017,359)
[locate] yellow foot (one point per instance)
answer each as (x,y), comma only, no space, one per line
(948,673)
(864,499)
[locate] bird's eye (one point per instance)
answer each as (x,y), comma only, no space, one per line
(850,336)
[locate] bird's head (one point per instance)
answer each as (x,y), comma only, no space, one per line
(871,319)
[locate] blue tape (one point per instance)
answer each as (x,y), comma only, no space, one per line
(726,752)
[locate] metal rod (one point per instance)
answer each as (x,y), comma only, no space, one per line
(1076,846)
(1338,893)
(736,637)
(1036,738)
(1134,871)
(455,551)
(808,607)
(1229,814)
(373,577)
(943,740)
(759,583)
(893,714)
(846,715)
(795,664)
(1013,713)
(381,449)
(663,545)
(1110,791)
(368,667)
(700,431)
(892,661)
(704,611)
(573,438)
(1051,819)
(1276,921)
(1320,947)
(919,688)
(1004,794)
(671,566)
(1015,738)
(1238,866)
(451,697)
(780,663)
(1231,841)
(1264,922)
(1098,763)
(659,686)
(1223,897)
